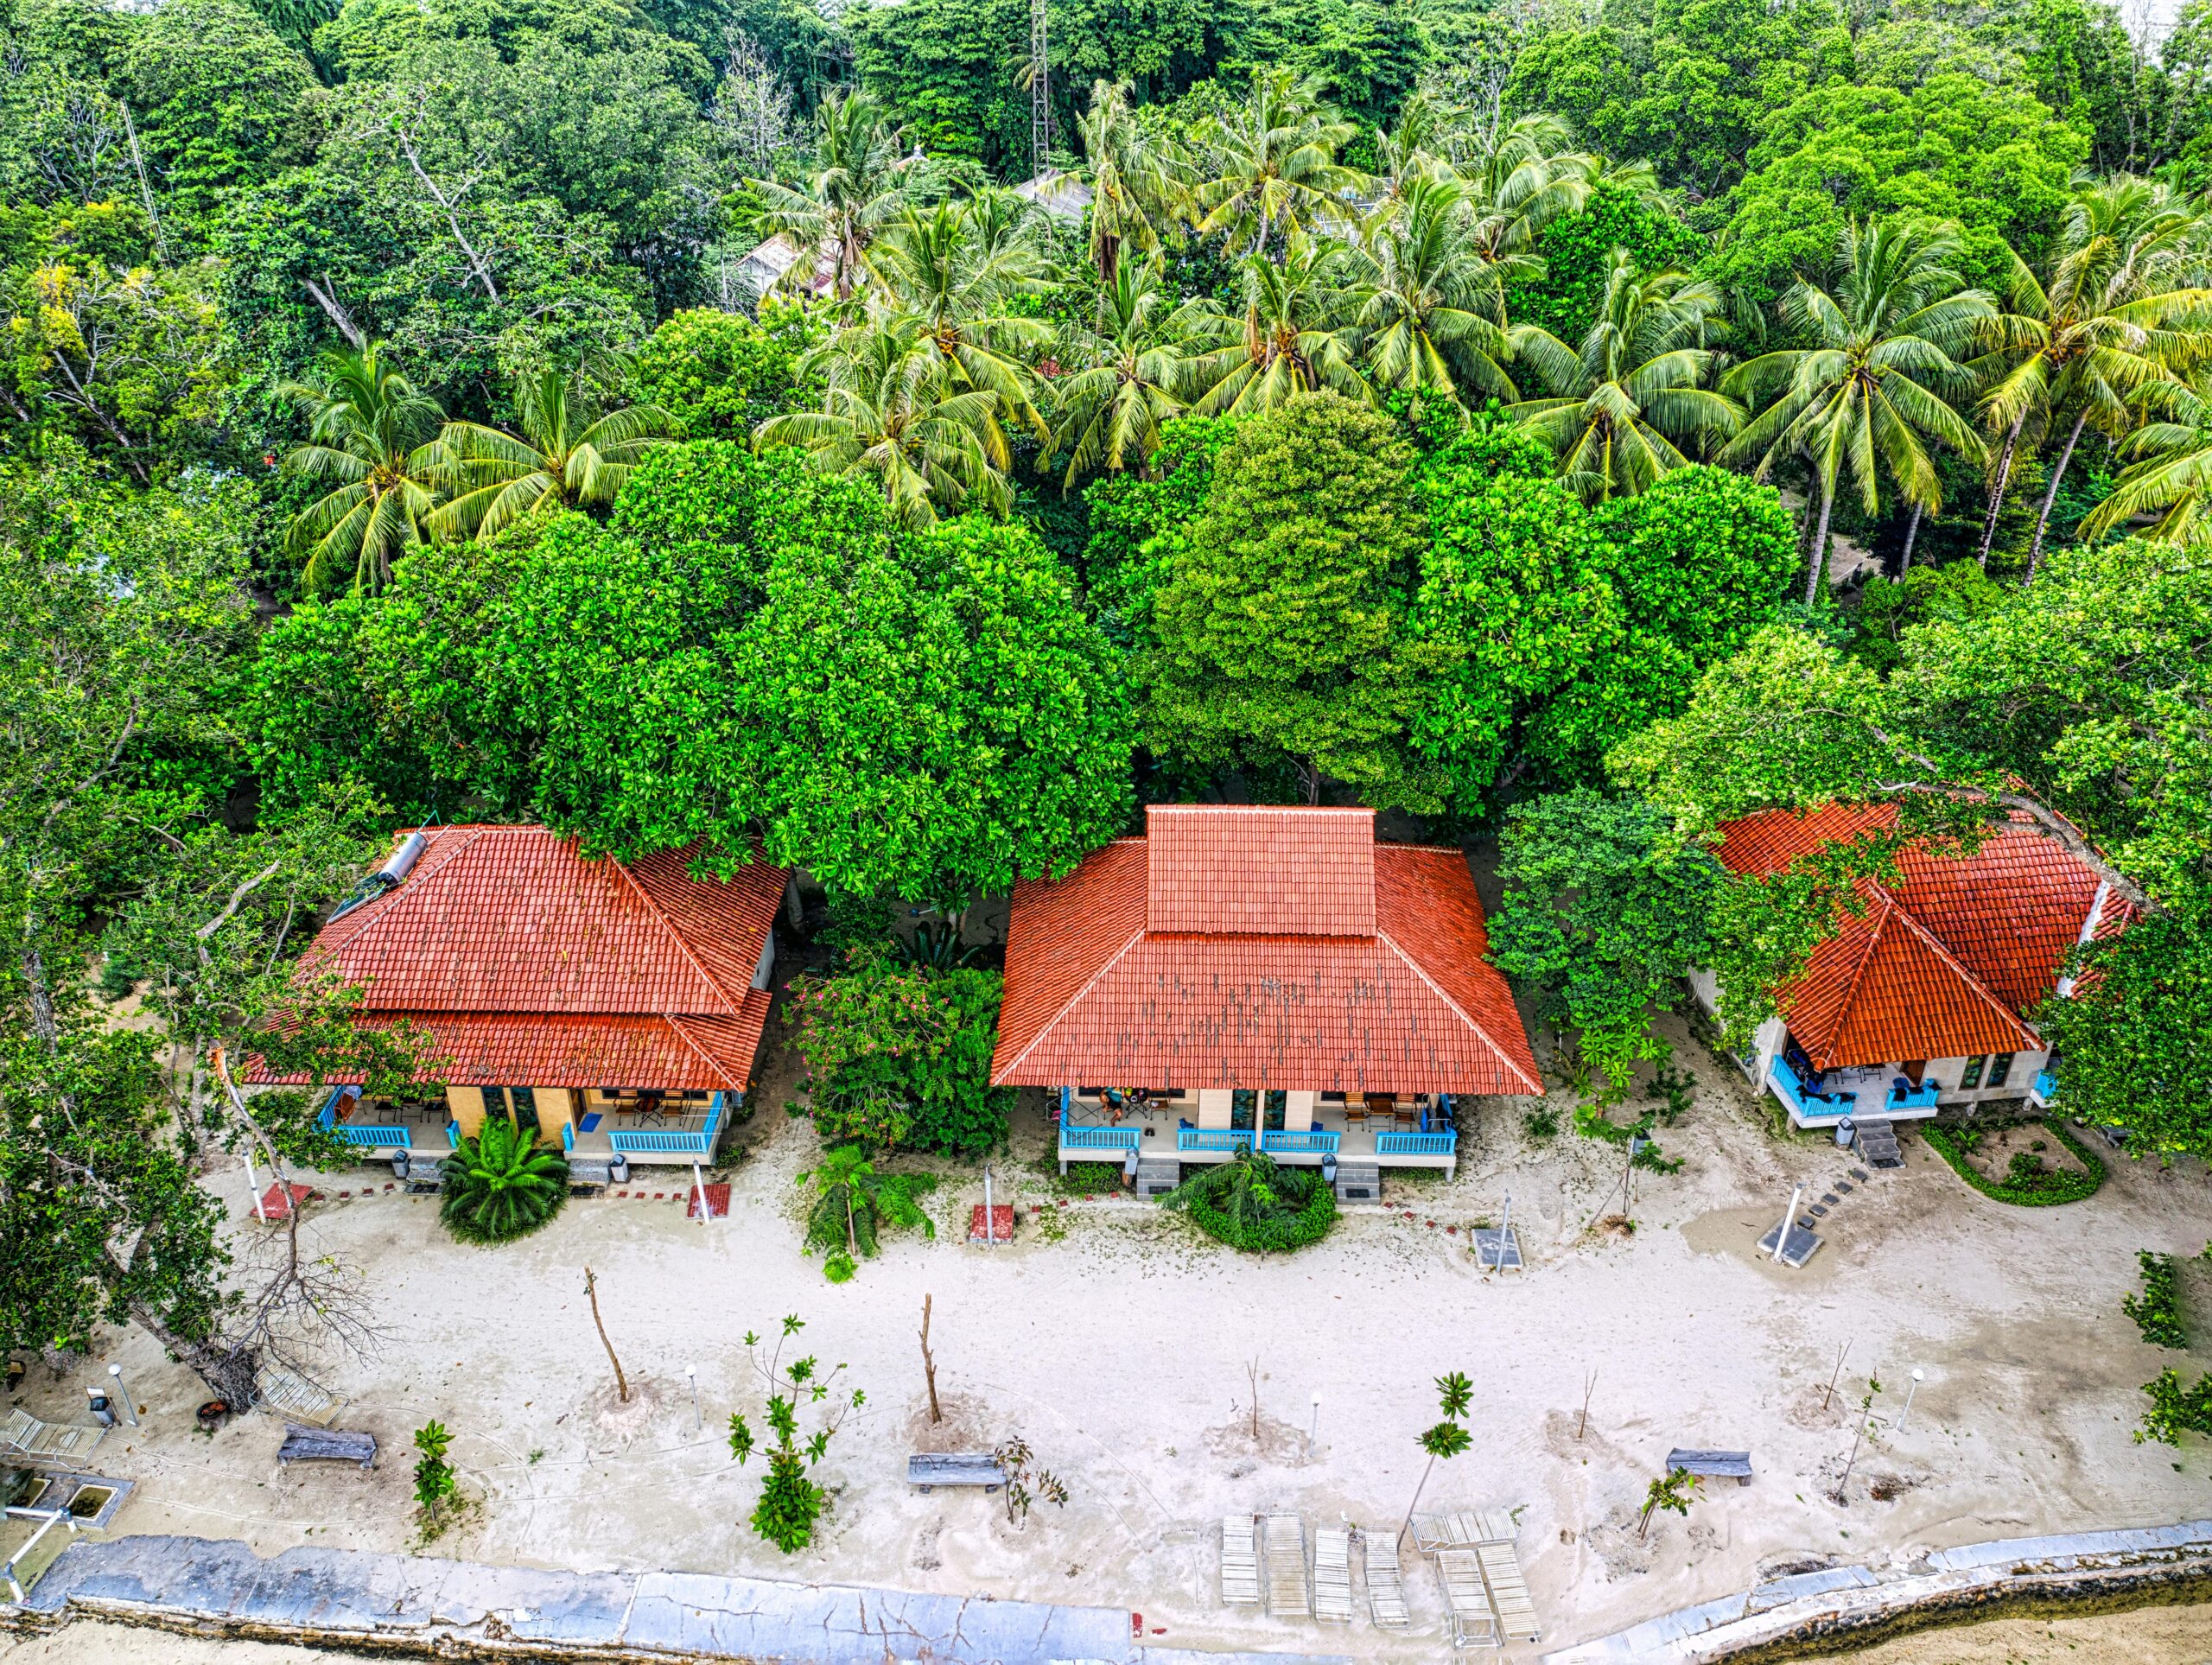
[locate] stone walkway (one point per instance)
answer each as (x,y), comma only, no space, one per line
(447,1609)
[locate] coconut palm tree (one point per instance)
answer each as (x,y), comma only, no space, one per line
(2172,477)
(1875,387)
(2121,314)
(958,269)
(855,186)
(570,454)
(1295,336)
(1271,164)
(892,409)
(1122,375)
(1429,303)
(1519,179)
(501,1184)
(1138,181)
(375,436)
(1632,396)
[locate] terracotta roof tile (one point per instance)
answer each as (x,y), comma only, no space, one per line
(1248,870)
(1409,1005)
(1947,965)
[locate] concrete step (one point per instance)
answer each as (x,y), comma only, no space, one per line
(1158,1175)
(1877,1143)
(589,1170)
(1359,1182)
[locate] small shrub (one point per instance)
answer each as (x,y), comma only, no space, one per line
(1674,1092)
(502,1185)
(437,1488)
(2038,1186)
(1251,1203)
(839,1268)
(2157,1311)
(1541,1123)
(1089,1179)
(2175,1408)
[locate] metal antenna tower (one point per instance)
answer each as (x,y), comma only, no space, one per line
(1041,102)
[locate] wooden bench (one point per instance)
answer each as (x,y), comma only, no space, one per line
(305,1445)
(1713,1465)
(955,1468)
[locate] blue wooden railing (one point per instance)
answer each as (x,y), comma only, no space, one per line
(1098,1139)
(693,1142)
(1213,1138)
(2045,1087)
(1808,1104)
(1416,1144)
(375,1135)
(1313,1142)
(1922,1097)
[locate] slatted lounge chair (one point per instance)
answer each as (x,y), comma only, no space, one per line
(1285,1542)
(1386,1589)
(1240,1563)
(26,1433)
(1474,1624)
(300,1399)
(1333,1575)
(1509,1592)
(1463,1530)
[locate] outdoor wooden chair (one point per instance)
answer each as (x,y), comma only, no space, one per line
(1285,1542)
(1333,1575)
(1386,1588)
(25,1433)
(1240,1563)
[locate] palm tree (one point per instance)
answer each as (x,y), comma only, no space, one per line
(1520,178)
(1631,396)
(568,455)
(1874,389)
(502,1184)
(1294,337)
(854,188)
(892,409)
(1137,182)
(957,269)
(1126,372)
(2173,477)
(1272,163)
(375,436)
(2114,322)
(1428,302)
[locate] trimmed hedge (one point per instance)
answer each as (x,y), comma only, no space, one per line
(2047,1190)
(1308,1224)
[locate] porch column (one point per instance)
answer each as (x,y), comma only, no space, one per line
(555,1111)
(1214,1107)
(1297,1111)
(467,1104)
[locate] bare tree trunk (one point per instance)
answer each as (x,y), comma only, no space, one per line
(2050,496)
(145,191)
(621,1383)
(325,295)
(1309,780)
(1817,561)
(928,1364)
(1911,536)
(1997,492)
(1426,1471)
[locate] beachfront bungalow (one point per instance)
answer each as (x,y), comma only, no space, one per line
(1923,1002)
(1253,976)
(616,1007)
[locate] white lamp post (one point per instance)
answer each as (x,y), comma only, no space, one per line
(1312,1426)
(691,1375)
(123,1393)
(1906,1414)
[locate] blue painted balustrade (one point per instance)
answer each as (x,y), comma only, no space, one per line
(375,1135)
(1808,1106)
(1316,1141)
(672,1142)
(1416,1144)
(1098,1139)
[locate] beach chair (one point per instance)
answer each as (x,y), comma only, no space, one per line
(297,1398)
(1462,1530)
(1474,1624)
(1386,1589)
(1240,1563)
(25,1433)
(1333,1575)
(1509,1592)
(1284,1542)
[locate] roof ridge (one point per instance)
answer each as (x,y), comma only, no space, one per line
(1072,1001)
(1889,906)
(1503,1057)
(692,1041)
(682,946)
(1964,972)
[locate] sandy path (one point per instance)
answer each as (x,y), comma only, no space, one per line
(1120,1351)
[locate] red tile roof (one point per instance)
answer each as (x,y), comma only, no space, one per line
(529,965)
(1948,964)
(1282,990)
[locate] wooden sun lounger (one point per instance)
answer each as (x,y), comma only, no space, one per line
(1333,1575)
(1285,1544)
(1386,1589)
(1509,1592)
(26,1433)
(925,1469)
(1463,1530)
(1474,1625)
(1712,1465)
(300,1399)
(305,1445)
(1240,1563)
